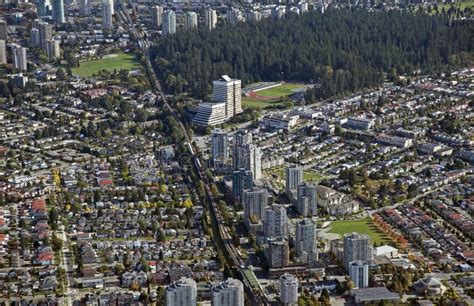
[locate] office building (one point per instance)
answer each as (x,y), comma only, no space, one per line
(45,34)
(241,139)
(228,91)
(169,23)
(359,273)
(3,52)
(210,16)
(357,247)
(210,114)
(19,58)
(278,253)
(58,11)
(85,7)
(293,177)
(191,20)
(288,289)
(181,292)
(219,148)
(107,15)
(305,241)
(3,30)
(41,8)
(228,293)
(53,49)
(254,202)
(306,200)
(241,179)
(157,16)
(34,37)
(275,224)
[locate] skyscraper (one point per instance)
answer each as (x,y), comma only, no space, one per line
(181,292)
(288,289)
(241,139)
(41,8)
(254,161)
(293,177)
(3,52)
(35,37)
(85,7)
(45,34)
(255,202)
(210,18)
(53,49)
(58,11)
(359,273)
(228,91)
(107,14)
(275,224)
(219,147)
(157,16)
(191,20)
(3,30)
(306,200)
(356,247)
(19,58)
(305,241)
(241,179)
(278,253)
(169,23)
(228,293)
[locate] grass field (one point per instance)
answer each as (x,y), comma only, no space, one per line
(308,175)
(256,103)
(364,226)
(279,91)
(113,61)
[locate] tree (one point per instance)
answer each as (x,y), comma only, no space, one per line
(56,243)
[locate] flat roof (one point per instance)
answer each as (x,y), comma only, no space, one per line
(373,294)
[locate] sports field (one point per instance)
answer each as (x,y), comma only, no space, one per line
(364,226)
(279,91)
(272,97)
(110,62)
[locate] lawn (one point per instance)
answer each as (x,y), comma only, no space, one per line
(118,61)
(308,175)
(279,91)
(364,226)
(256,103)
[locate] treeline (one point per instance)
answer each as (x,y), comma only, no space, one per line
(341,51)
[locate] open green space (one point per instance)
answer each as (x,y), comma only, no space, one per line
(279,91)
(110,62)
(363,226)
(250,277)
(256,103)
(308,175)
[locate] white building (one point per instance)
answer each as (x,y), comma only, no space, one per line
(228,91)
(281,121)
(254,202)
(275,224)
(305,241)
(210,18)
(400,142)
(169,22)
(228,293)
(157,15)
(210,114)
(293,177)
(182,292)
(288,289)
(53,49)
(19,58)
(3,52)
(107,14)
(357,247)
(191,20)
(359,273)
(45,34)
(360,123)
(307,200)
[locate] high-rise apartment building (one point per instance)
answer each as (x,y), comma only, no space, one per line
(359,273)
(210,16)
(254,202)
(191,20)
(53,49)
(45,34)
(3,52)
(34,37)
(169,22)
(219,148)
(181,292)
(305,241)
(228,293)
(58,11)
(107,14)
(306,200)
(41,8)
(241,139)
(3,30)
(275,224)
(288,289)
(278,253)
(293,177)
(228,91)
(19,58)
(356,247)
(157,16)
(85,7)
(241,180)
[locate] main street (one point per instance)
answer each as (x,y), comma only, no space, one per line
(255,294)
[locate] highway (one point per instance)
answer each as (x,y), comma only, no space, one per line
(255,294)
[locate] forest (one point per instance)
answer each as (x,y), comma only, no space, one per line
(341,51)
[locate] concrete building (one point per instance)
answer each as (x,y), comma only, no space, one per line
(219,148)
(3,30)
(34,37)
(228,293)
(45,34)
(241,180)
(53,49)
(275,224)
(191,20)
(241,139)
(254,161)
(210,16)
(306,200)
(41,8)
(233,15)
(169,23)
(293,177)
(278,253)
(3,52)
(253,16)
(157,16)
(58,11)
(288,289)
(210,114)
(85,7)
(181,292)
(19,58)
(360,123)
(107,14)
(359,273)
(305,241)
(278,11)
(228,91)
(254,202)
(280,121)
(357,247)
